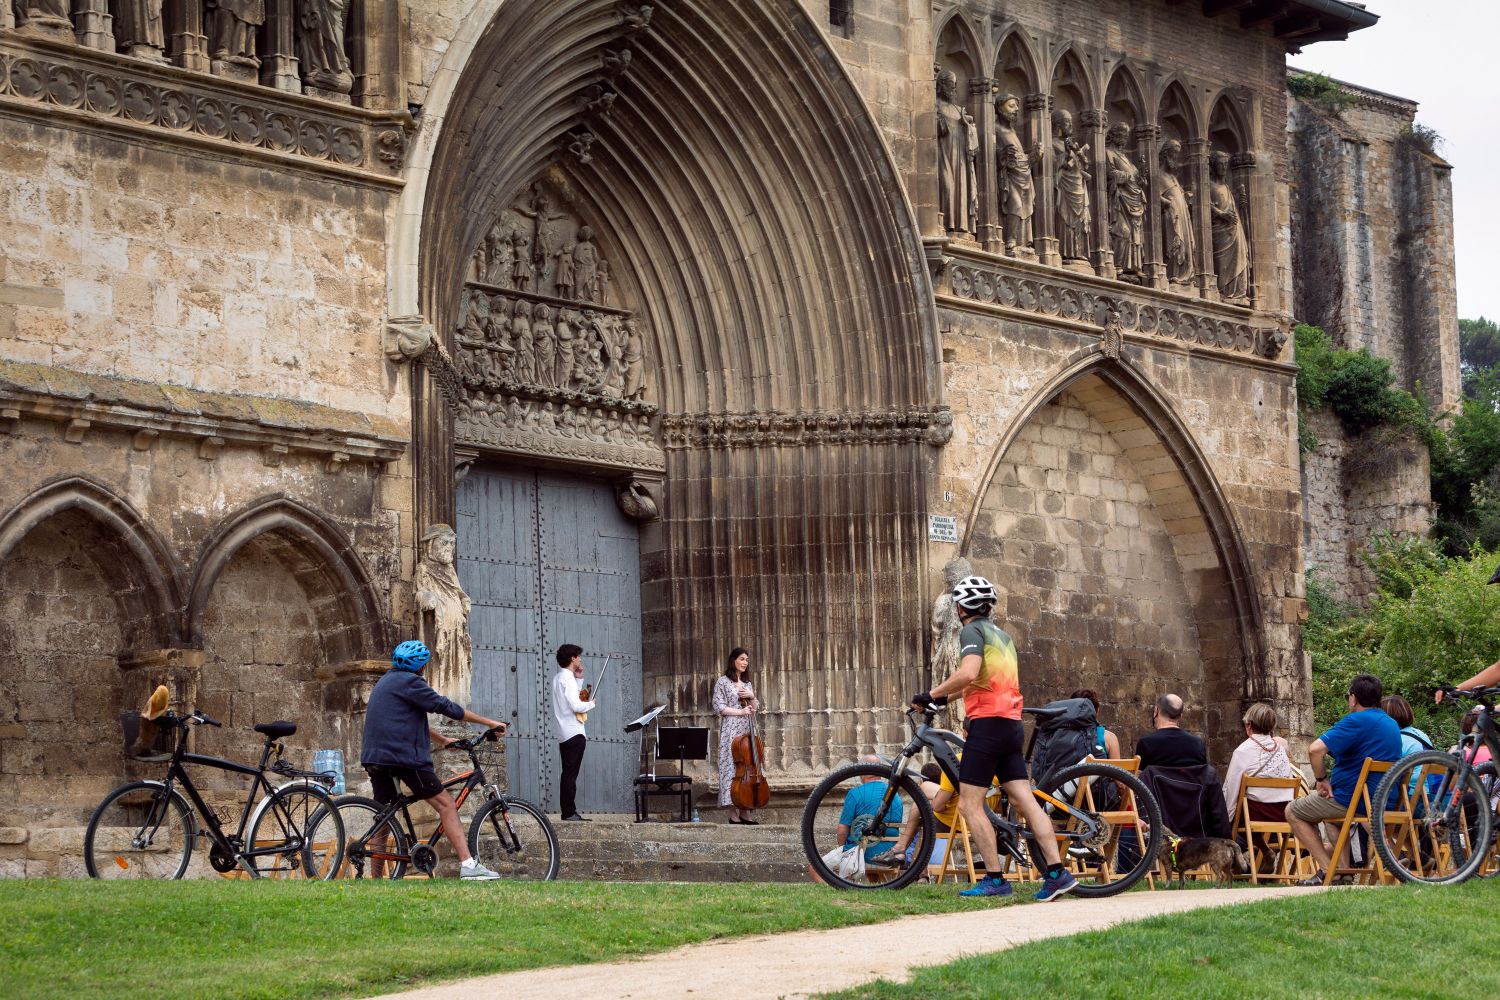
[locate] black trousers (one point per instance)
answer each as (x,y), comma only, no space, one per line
(572,761)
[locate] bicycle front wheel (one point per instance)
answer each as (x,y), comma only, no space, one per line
(141,830)
(371,851)
(1110,838)
(515,839)
(1432,819)
(856,836)
(298,834)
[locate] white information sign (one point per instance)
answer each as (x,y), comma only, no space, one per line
(941,528)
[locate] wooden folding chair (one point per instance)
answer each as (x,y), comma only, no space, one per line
(1373,870)
(1126,816)
(1293,863)
(957,838)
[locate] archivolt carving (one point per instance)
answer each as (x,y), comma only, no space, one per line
(753,430)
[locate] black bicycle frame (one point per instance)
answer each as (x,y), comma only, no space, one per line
(470,780)
(233,846)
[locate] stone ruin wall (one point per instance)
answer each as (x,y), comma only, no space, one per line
(1373,266)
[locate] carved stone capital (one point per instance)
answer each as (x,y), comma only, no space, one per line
(776,429)
(981,86)
(635,17)
(1093,118)
(407,338)
(1146,133)
(1038,102)
(1242,161)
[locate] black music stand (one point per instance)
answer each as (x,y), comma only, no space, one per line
(684,744)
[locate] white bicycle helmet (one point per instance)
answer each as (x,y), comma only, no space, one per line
(975,593)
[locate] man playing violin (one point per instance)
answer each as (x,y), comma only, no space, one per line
(567,705)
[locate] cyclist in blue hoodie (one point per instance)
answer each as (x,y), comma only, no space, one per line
(397,744)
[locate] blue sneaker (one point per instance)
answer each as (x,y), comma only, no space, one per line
(989,886)
(1054,887)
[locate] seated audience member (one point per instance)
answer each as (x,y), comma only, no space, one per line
(1412,738)
(940,793)
(1169,745)
(1366,731)
(1106,743)
(1262,755)
(1466,731)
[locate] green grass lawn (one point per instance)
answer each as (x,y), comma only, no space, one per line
(1405,941)
(276,939)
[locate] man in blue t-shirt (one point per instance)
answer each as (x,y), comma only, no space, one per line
(1365,732)
(860,806)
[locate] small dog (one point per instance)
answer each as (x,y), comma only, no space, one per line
(1223,857)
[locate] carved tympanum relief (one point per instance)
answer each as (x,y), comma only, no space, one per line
(548,365)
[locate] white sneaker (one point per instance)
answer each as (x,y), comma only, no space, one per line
(477,872)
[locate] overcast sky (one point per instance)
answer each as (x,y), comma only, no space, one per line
(1444,54)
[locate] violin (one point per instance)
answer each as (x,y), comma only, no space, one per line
(750,789)
(586,692)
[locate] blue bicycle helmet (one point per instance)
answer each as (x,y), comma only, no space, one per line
(411,655)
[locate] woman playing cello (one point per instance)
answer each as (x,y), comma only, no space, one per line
(735,704)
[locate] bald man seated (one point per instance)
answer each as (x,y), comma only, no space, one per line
(1169,745)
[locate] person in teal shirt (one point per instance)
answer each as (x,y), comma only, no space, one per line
(860,806)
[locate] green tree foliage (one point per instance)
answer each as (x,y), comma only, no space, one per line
(1435,620)
(1478,346)
(1356,385)
(1320,91)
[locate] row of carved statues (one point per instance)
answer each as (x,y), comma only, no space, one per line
(596,424)
(227,32)
(542,262)
(1019,170)
(517,341)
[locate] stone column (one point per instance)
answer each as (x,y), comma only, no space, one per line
(189,43)
(990,233)
(1044,219)
(278,63)
(379,84)
(1093,124)
(1242,182)
(1147,147)
(92,24)
(1195,178)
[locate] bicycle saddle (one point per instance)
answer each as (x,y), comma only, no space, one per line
(276,730)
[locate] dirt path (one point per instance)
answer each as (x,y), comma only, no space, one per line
(802,963)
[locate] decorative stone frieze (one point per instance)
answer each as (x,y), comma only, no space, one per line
(1037,292)
(559,423)
(756,430)
(43,77)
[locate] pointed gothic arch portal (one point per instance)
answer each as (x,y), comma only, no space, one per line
(1122,568)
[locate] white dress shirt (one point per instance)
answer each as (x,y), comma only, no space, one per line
(565,702)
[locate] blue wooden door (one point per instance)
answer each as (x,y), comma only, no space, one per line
(549,559)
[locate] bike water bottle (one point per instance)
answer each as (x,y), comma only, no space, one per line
(331,762)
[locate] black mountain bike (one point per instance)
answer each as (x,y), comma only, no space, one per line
(1109,857)
(507,834)
(1449,798)
(146,829)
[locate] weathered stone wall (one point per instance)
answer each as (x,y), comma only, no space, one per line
(1353,490)
(1373,254)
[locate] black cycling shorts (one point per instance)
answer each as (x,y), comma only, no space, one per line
(423,782)
(993,750)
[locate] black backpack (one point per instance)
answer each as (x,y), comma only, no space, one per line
(1063,736)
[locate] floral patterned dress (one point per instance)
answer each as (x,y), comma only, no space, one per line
(727,695)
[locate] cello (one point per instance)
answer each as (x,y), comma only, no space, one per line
(749,789)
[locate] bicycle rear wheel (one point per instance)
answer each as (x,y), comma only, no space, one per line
(141,830)
(1451,819)
(515,839)
(371,851)
(1123,845)
(297,834)
(841,801)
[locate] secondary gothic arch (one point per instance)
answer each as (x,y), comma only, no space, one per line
(319,555)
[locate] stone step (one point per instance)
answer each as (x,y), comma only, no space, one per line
(617,848)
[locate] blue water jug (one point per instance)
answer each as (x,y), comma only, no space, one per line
(331,762)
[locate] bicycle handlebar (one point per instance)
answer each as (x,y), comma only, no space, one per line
(472,742)
(1486,696)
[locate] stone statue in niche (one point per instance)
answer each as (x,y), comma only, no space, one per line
(502,258)
(1127,205)
(958,145)
(1017,190)
(521,269)
(601,281)
(563,278)
(632,360)
(1231,249)
(945,623)
(498,335)
(567,350)
(138,29)
(49,12)
(320,44)
(544,336)
(445,614)
(524,364)
(1176,217)
(586,265)
(232,28)
(1073,179)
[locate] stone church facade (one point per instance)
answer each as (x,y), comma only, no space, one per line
(704,324)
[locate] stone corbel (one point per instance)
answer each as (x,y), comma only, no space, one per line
(636,502)
(145,439)
(939,428)
(407,338)
(10,420)
(934,248)
(76,429)
(634,17)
